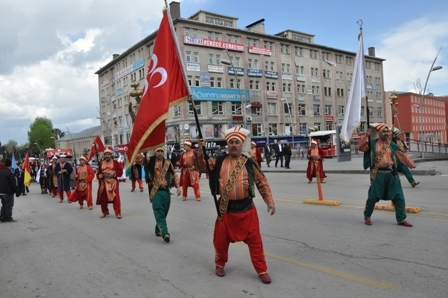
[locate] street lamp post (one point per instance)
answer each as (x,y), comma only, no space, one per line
(422,101)
(230,63)
(292,123)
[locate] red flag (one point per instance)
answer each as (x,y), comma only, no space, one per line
(26,170)
(96,147)
(165,86)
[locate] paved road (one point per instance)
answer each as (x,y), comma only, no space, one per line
(58,250)
(431,166)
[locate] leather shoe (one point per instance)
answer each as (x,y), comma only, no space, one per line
(405,223)
(220,271)
(265,278)
(119,216)
(414,184)
(367,221)
(166,238)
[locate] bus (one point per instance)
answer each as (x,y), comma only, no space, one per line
(326,140)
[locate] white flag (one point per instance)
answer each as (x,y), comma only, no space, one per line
(38,176)
(358,91)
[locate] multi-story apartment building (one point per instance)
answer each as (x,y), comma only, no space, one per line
(278,85)
(422,120)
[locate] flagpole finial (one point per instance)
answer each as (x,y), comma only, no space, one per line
(166,5)
(359,22)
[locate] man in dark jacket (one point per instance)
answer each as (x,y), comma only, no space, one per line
(8,187)
(172,156)
(278,149)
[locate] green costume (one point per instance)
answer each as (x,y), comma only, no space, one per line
(386,185)
(162,198)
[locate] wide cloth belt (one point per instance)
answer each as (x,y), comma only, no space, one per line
(237,206)
(384,170)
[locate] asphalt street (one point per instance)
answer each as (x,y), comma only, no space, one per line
(57,250)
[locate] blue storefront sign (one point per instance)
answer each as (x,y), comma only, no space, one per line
(239,70)
(218,94)
(254,72)
(271,74)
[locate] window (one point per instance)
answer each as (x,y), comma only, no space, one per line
(341,111)
(317,125)
(287,107)
(328,110)
(302,128)
(219,83)
(298,51)
(326,56)
(270,86)
(316,109)
(217,108)
(329,125)
(196,81)
(339,59)
(250,63)
(327,91)
(299,69)
(272,109)
(326,73)
(368,64)
(266,65)
(284,48)
(273,129)
(176,111)
(313,54)
(255,111)
(212,82)
(197,104)
(272,68)
(340,92)
(314,72)
(190,79)
(188,56)
(236,108)
(210,58)
(301,109)
(349,60)
(379,111)
(257,130)
(196,57)
(300,89)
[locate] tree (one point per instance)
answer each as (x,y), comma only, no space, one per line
(40,135)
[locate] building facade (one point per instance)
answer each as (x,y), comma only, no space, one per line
(279,86)
(422,118)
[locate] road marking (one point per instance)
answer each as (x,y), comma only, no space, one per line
(348,276)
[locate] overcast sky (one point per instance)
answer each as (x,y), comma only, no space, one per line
(50,50)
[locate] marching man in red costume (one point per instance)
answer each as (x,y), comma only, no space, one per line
(83,191)
(108,191)
(234,177)
(190,174)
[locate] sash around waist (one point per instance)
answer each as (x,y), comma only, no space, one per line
(237,206)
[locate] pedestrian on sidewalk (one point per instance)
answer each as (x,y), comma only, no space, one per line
(268,154)
(8,188)
(385,159)
(287,152)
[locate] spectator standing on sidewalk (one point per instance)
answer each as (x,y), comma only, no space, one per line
(8,188)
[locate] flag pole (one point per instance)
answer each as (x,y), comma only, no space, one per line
(360,23)
(204,151)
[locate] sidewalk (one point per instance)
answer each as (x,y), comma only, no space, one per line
(427,166)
